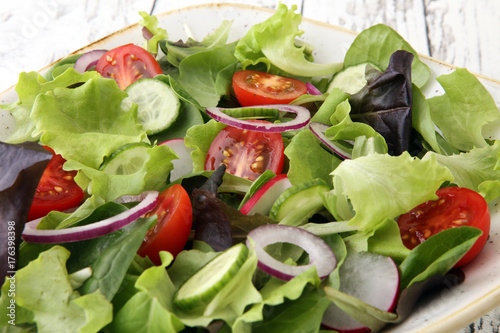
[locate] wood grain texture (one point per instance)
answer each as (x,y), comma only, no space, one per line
(461,32)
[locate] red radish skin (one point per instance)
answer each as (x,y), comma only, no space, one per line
(262,201)
(372,278)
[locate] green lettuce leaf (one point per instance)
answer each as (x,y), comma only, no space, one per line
(304,152)
(43,287)
(379,186)
(87,123)
(463,110)
(151,23)
(478,170)
(151,175)
(273,42)
(200,138)
(31,85)
(208,75)
(376,45)
(150,309)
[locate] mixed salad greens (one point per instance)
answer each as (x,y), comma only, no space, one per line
(403,148)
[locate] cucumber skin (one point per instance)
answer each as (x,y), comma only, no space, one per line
(195,301)
(309,191)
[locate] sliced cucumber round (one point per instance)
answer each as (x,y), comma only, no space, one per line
(352,79)
(299,202)
(127,160)
(158,105)
(200,288)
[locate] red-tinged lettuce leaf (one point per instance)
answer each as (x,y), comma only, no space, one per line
(385,103)
(21,167)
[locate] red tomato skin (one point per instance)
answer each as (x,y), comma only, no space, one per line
(259,88)
(247,154)
(456,206)
(171,232)
(127,64)
(56,189)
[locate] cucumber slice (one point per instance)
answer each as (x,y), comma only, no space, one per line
(126,160)
(299,202)
(203,285)
(158,105)
(353,78)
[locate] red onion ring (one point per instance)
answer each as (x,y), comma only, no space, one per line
(320,254)
(319,129)
(302,119)
(33,235)
(312,90)
(146,33)
(87,60)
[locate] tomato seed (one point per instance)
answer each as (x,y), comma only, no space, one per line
(257,167)
(109,58)
(58,189)
(68,177)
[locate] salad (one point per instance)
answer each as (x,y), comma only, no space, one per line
(241,186)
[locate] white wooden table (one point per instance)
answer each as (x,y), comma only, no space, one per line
(463,33)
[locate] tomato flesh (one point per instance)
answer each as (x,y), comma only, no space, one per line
(245,153)
(127,64)
(171,232)
(260,88)
(455,207)
(56,189)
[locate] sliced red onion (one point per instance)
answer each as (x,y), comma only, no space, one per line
(302,118)
(320,254)
(88,60)
(312,90)
(319,129)
(146,33)
(33,235)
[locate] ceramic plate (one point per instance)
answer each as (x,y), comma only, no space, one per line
(448,310)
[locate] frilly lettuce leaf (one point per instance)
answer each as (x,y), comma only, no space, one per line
(199,138)
(463,110)
(43,287)
(478,170)
(31,85)
(274,42)
(151,307)
(370,189)
(152,175)
(87,123)
(151,24)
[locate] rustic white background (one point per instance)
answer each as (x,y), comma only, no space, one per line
(464,33)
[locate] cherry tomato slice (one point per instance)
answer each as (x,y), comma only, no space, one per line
(171,232)
(127,64)
(455,207)
(245,153)
(260,88)
(56,190)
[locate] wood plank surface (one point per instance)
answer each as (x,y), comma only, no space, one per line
(460,32)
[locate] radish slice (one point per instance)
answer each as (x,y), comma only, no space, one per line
(184,165)
(262,201)
(87,60)
(33,235)
(371,278)
(320,254)
(319,129)
(312,90)
(302,118)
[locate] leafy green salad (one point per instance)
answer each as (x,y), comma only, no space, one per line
(372,147)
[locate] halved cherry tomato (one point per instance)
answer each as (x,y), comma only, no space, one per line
(127,64)
(260,88)
(56,190)
(455,207)
(246,153)
(171,232)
